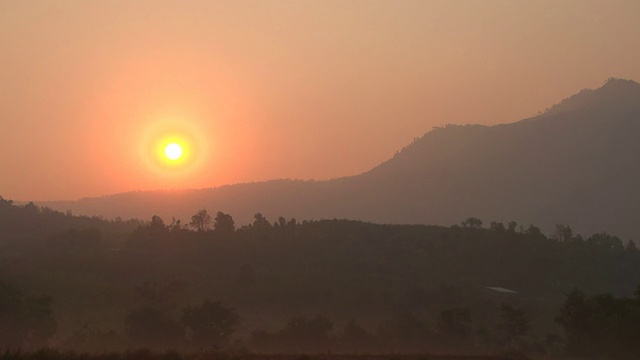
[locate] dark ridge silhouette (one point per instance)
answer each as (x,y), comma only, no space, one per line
(576,163)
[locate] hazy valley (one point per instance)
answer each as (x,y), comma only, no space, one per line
(577,164)
(231,267)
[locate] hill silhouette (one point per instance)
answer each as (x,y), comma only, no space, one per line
(577,163)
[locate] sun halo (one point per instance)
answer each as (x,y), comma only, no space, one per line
(173,151)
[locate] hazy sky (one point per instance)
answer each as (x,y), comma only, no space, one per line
(276,89)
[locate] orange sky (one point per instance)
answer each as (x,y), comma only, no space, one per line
(276,89)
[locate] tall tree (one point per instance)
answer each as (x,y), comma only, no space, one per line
(260,222)
(201,220)
(223,223)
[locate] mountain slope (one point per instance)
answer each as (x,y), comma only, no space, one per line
(578,164)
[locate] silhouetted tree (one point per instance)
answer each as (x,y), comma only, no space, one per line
(210,324)
(176,225)
(25,320)
(299,335)
(152,232)
(157,222)
(455,322)
(201,220)
(260,222)
(631,247)
(497,227)
(575,317)
(91,340)
(472,223)
(150,327)
(601,325)
(5,203)
(533,231)
(306,334)
(406,332)
(563,232)
(355,338)
(223,223)
(31,208)
(513,327)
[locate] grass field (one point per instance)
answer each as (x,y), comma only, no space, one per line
(143,354)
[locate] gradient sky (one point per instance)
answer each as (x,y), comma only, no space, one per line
(277,89)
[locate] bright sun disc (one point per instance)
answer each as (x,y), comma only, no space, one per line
(173,151)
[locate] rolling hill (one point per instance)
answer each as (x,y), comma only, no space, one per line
(577,163)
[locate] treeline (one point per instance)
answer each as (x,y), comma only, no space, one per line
(594,326)
(29,226)
(207,326)
(27,322)
(376,287)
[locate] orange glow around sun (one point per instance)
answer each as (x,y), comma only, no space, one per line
(174,149)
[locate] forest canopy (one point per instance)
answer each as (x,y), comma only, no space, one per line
(311,286)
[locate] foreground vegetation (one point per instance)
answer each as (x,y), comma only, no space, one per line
(145,354)
(312,287)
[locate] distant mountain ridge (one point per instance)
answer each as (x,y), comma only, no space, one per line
(577,163)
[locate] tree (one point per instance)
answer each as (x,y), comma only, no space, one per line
(31,208)
(406,332)
(176,225)
(455,322)
(355,338)
(201,220)
(157,223)
(150,327)
(631,247)
(260,222)
(305,334)
(210,324)
(563,232)
(5,203)
(223,223)
(497,227)
(472,223)
(151,233)
(533,231)
(25,320)
(90,340)
(601,325)
(514,326)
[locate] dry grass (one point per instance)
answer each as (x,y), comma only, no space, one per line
(145,354)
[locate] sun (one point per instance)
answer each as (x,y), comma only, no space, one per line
(173,151)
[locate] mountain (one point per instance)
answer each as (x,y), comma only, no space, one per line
(578,164)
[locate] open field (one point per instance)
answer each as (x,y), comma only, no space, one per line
(144,354)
